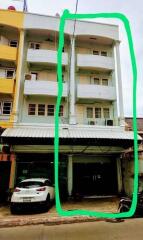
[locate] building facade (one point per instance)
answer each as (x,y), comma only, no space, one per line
(91,117)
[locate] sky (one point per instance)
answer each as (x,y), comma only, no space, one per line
(133,11)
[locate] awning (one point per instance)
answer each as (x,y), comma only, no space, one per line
(68,135)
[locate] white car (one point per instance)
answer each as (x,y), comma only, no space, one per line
(33,191)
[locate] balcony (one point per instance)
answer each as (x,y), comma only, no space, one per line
(45,56)
(43,88)
(88,91)
(8,53)
(6,86)
(93,61)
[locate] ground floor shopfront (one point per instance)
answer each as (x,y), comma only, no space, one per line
(82,174)
(90,162)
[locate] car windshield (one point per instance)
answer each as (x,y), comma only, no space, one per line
(31,184)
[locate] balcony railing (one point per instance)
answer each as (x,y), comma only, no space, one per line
(45,56)
(89,91)
(93,61)
(6,86)
(43,88)
(8,53)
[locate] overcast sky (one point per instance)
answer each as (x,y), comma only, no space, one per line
(133,11)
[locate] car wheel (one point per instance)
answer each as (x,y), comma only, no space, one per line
(123,209)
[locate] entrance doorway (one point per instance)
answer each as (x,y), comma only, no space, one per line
(95,178)
(5,167)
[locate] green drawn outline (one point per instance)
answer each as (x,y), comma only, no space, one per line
(66,15)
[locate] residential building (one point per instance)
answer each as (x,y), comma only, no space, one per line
(92,126)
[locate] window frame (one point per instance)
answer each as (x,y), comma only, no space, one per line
(53,113)
(35,109)
(34,45)
(38,111)
(2,107)
(13,45)
(12,70)
(100,115)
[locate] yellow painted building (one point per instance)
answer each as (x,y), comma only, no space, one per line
(11,40)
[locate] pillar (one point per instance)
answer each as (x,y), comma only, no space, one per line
(19,78)
(119,175)
(70,175)
(72,89)
(120,95)
(12,171)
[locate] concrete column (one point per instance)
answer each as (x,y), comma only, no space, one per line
(70,175)
(19,78)
(119,175)
(72,114)
(115,103)
(120,95)
(12,171)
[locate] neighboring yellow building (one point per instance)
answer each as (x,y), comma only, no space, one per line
(11,33)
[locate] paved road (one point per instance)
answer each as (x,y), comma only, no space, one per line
(131,229)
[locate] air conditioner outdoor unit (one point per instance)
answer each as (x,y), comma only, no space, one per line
(109,122)
(28,76)
(91,122)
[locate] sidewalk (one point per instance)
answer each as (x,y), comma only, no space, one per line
(52,218)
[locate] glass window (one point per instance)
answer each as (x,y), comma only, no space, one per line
(95,52)
(104,53)
(61,112)
(41,109)
(97,112)
(9,73)
(105,81)
(32,109)
(89,112)
(35,45)
(106,113)
(50,110)
(34,75)
(13,43)
(7,108)
(30,184)
(96,81)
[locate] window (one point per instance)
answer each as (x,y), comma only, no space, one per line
(95,52)
(50,110)
(10,73)
(105,81)
(89,112)
(96,81)
(104,53)
(34,75)
(35,45)
(97,112)
(63,78)
(41,109)
(13,43)
(61,112)
(106,113)
(32,109)
(6,108)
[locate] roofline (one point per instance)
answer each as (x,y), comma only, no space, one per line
(44,15)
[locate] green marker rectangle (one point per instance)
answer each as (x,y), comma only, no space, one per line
(66,15)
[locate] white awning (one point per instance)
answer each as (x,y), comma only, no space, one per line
(71,132)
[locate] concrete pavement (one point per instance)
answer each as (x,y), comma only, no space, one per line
(51,217)
(130,229)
